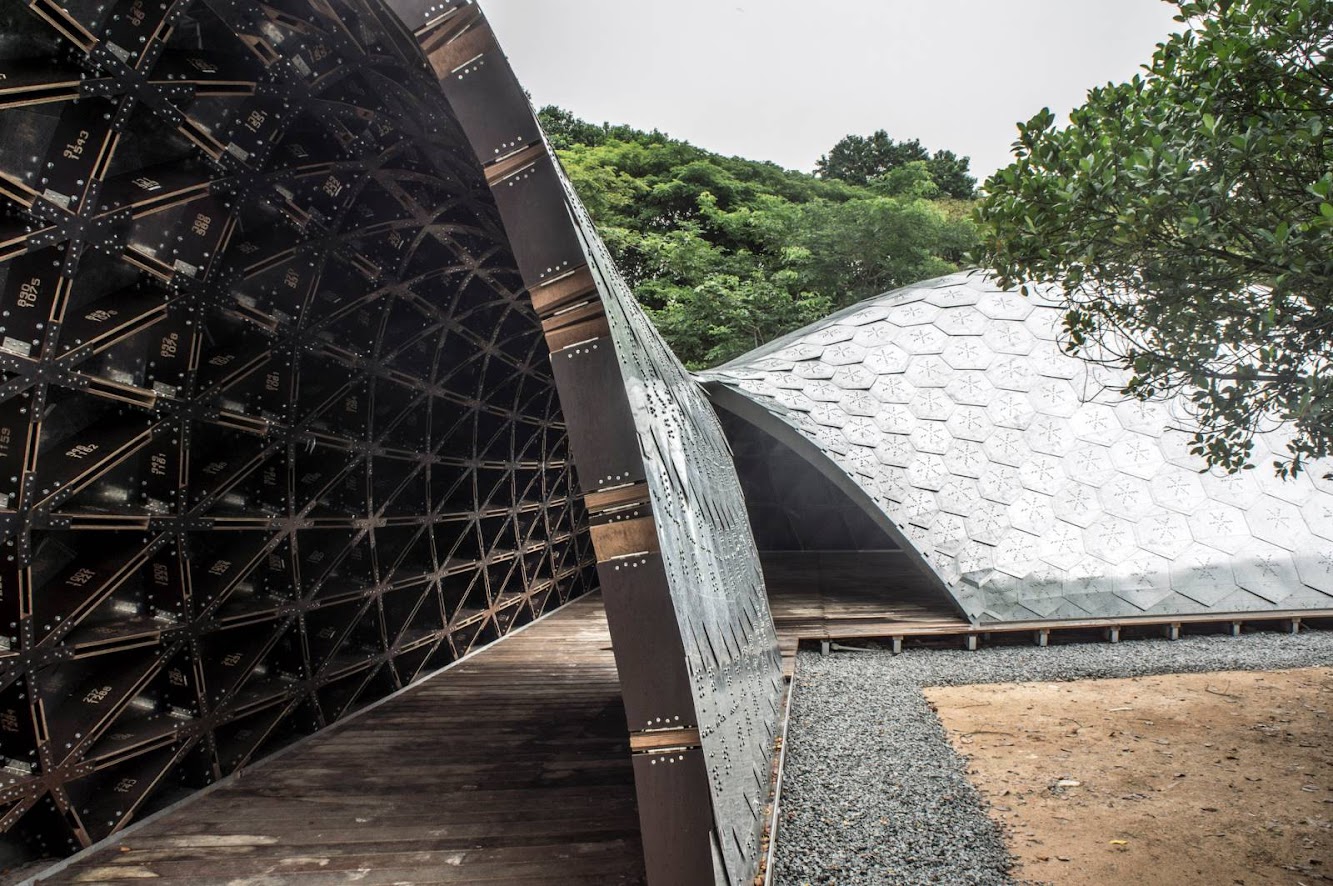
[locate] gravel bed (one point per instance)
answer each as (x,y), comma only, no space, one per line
(873,793)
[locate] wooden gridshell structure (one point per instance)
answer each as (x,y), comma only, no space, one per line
(278,428)
(303,331)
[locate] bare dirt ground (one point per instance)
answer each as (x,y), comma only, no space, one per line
(1223,778)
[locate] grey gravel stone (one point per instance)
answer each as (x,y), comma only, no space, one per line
(873,793)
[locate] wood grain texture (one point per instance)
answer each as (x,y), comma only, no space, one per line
(827,595)
(512,767)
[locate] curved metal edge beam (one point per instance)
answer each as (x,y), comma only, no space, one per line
(723,396)
(693,638)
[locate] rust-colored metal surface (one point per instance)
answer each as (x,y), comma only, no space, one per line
(277,420)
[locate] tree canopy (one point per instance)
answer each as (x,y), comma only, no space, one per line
(726,253)
(865,160)
(1188,218)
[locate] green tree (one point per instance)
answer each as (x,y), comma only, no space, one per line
(863,160)
(726,253)
(1187,217)
(950,173)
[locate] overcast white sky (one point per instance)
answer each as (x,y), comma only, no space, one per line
(783,80)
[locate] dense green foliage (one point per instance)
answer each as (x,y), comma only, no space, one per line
(1205,188)
(865,160)
(726,254)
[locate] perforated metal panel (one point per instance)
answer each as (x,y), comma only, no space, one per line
(277,418)
(1028,486)
(713,572)
(685,600)
(792,507)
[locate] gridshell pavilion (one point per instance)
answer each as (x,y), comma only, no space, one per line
(330,430)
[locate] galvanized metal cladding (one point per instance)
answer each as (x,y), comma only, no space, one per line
(277,419)
(303,333)
(792,506)
(1029,488)
(712,572)
(693,638)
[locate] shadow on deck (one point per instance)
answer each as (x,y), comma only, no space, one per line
(512,767)
(831,596)
(838,595)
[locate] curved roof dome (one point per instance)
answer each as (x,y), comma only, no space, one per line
(1020,476)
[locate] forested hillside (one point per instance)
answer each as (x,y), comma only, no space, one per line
(727,253)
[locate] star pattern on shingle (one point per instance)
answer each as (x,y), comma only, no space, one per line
(969,381)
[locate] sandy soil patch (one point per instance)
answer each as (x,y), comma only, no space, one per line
(1223,778)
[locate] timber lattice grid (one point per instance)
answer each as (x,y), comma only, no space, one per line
(278,426)
(285,283)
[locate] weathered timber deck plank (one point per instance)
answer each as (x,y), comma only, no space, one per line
(512,767)
(830,595)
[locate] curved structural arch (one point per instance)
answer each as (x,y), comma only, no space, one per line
(1026,484)
(689,619)
(298,309)
(277,419)
(769,422)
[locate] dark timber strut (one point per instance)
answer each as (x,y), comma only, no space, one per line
(278,428)
(512,767)
(314,377)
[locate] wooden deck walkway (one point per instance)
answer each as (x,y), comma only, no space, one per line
(877,595)
(825,594)
(513,767)
(839,595)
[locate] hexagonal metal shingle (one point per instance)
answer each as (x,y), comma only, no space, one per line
(1202,574)
(1050,435)
(1096,423)
(843,354)
(931,404)
(1009,338)
(1127,497)
(1317,570)
(1030,485)
(923,339)
(1265,570)
(1076,503)
(962,321)
(1276,521)
(1178,491)
(1165,533)
(886,360)
(1042,473)
(915,313)
(967,353)
(928,371)
(1004,306)
(853,377)
(970,423)
(970,388)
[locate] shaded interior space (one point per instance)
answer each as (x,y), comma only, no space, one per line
(831,570)
(277,425)
(511,767)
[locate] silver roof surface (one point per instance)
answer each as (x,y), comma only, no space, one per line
(1028,485)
